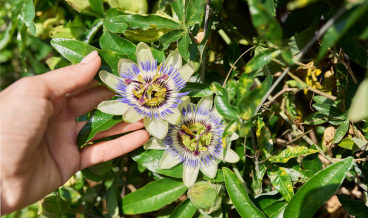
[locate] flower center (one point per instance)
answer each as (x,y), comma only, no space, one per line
(196,137)
(149,93)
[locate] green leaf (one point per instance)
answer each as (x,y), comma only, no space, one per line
(341,27)
(266,25)
(261,60)
(330,111)
(222,104)
(169,37)
(112,27)
(145,21)
(231,88)
(153,196)
(319,99)
(151,160)
(354,207)
(184,209)
(264,139)
(229,130)
(97,7)
(247,105)
(271,203)
(98,122)
(219,177)
(281,181)
(193,12)
(179,8)
(315,192)
(312,164)
(101,168)
(113,42)
(359,107)
(28,11)
(245,83)
(197,89)
(158,55)
(96,178)
(112,200)
(341,131)
(292,152)
(88,36)
(239,196)
(347,144)
(356,51)
(315,119)
(75,51)
(183,45)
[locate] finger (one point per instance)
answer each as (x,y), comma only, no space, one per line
(67,79)
(84,101)
(119,128)
(91,83)
(104,151)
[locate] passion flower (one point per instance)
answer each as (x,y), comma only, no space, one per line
(195,141)
(147,91)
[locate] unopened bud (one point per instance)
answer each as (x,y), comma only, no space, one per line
(203,195)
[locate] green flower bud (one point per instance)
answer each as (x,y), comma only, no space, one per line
(203,195)
(52,206)
(135,6)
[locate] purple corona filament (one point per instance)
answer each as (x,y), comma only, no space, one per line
(175,146)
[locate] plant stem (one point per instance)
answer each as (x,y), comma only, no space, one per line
(254,147)
(206,20)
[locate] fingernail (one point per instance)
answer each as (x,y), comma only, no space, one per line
(89,57)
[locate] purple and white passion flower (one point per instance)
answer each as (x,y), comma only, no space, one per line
(147,91)
(195,141)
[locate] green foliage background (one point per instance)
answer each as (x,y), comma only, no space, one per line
(281,72)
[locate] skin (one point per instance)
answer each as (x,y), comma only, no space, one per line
(39,132)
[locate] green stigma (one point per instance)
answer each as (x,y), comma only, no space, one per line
(153,94)
(193,133)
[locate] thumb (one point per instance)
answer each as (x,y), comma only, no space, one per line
(64,80)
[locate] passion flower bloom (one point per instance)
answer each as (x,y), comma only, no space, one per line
(147,91)
(196,141)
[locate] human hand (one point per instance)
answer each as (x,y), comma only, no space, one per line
(39,132)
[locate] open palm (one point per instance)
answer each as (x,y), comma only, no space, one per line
(39,132)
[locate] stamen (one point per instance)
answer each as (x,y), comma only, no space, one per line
(141,101)
(164,77)
(182,132)
(127,81)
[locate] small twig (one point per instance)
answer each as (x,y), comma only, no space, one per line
(271,89)
(280,93)
(233,66)
(347,65)
(311,88)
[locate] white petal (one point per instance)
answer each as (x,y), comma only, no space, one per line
(154,143)
(231,156)
(174,59)
(113,107)
(144,54)
(187,71)
(234,137)
(168,161)
(125,65)
(215,112)
(109,79)
(190,175)
(206,102)
(174,118)
(156,127)
(132,116)
(209,171)
(185,103)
